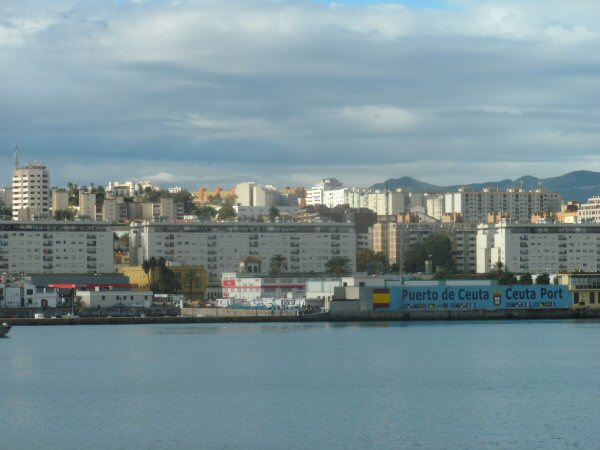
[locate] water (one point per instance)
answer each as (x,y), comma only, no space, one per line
(473,385)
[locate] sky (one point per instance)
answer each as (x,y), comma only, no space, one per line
(216,92)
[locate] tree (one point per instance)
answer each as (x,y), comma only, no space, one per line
(437,248)
(542,278)
(526,279)
(204,212)
(5,211)
(226,213)
(185,198)
(371,262)
(73,190)
(64,214)
(507,278)
(146,266)
(339,265)
(273,214)
(277,265)
(188,279)
(166,282)
(497,268)
(124,241)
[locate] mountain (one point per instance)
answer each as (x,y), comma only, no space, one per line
(408,183)
(578,186)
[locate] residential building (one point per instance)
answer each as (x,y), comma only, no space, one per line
(395,240)
(223,246)
(314,195)
(252,194)
(518,204)
(55,247)
(31,191)
(129,188)
(60,199)
(539,248)
(590,211)
(87,204)
(254,212)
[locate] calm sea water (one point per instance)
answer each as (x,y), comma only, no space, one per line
(474,385)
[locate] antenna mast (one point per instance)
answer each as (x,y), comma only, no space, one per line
(16,156)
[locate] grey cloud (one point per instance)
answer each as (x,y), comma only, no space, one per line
(213,92)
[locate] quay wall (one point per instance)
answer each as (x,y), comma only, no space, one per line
(257,316)
(233,312)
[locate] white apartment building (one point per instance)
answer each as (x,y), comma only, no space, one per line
(518,204)
(395,239)
(590,211)
(381,202)
(129,188)
(435,206)
(539,248)
(55,247)
(315,195)
(31,191)
(222,246)
(252,194)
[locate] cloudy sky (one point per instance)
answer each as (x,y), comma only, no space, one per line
(287,92)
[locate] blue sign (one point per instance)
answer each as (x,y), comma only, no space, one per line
(480,297)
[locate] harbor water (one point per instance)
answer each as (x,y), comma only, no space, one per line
(440,385)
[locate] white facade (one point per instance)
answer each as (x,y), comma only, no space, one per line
(129,188)
(110,298)
(31,190)
(383,203)
(252,194)
(435,206)
(236,286)
(24,295)
(315,195)
(517,203)
(539,248)
(55,247)
(220,247)
(590,211)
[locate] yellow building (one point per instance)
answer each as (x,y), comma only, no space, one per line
(584,287)
(194,275)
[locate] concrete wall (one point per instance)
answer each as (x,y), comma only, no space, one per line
(231,312)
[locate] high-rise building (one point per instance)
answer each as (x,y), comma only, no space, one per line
(31,191)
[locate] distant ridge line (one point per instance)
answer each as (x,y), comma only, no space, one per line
(578,185)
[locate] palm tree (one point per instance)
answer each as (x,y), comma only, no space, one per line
(277,265)
(190,278)
(339,265)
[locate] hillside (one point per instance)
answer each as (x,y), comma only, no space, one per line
(579,185)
